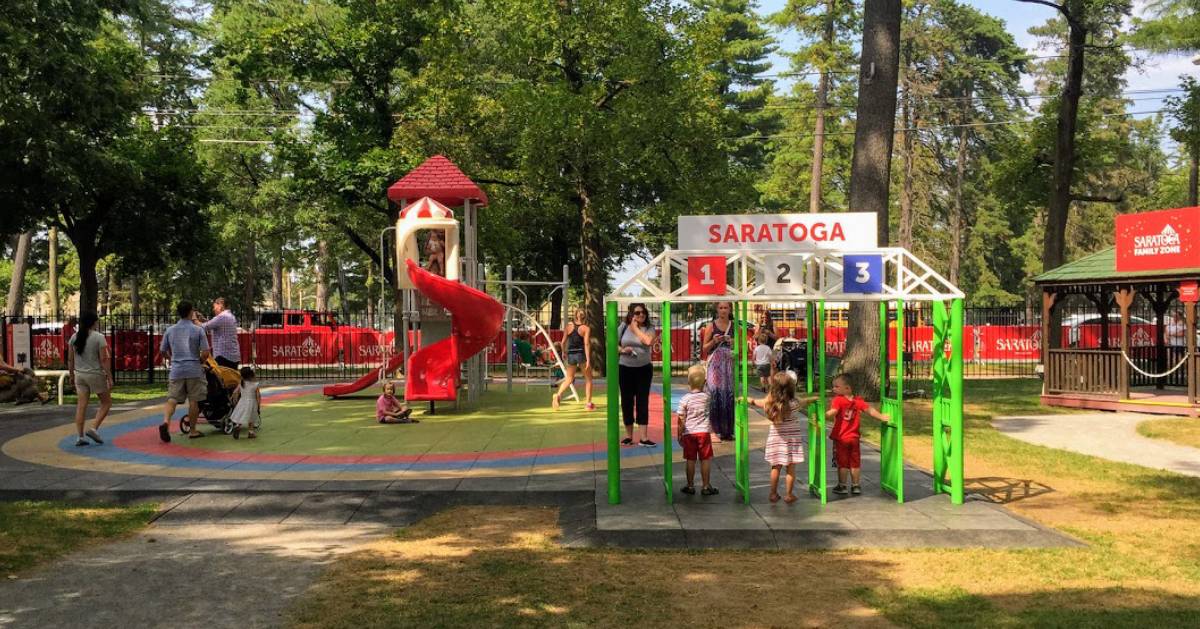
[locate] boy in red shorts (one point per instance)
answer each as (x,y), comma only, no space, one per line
(692,426)
(846,409)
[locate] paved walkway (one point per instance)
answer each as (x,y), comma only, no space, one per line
(1111,436)
(181,573)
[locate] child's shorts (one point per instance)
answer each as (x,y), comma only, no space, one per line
(847,454)
(764,371)
(697,446)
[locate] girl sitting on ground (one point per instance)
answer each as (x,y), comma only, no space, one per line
(390,410)
(247,415)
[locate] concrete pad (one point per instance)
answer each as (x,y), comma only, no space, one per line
(203,507)
(273,508)
(719,517)
(909,522)
(409,483)
(996,522)
(328,508)
(624,517)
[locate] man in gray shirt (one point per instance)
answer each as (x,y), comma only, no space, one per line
(185,345)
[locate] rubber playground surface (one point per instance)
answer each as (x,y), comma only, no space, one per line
(306,436)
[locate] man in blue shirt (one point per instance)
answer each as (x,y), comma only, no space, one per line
(185,345)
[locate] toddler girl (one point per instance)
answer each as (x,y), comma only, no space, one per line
(784,445)
(248,412)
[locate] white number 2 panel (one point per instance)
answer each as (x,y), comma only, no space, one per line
(785,274)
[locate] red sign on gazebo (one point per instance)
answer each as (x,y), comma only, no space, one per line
(1158,241)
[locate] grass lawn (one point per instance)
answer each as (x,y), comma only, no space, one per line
(501,567)
(32,532)
(1182,430)
(126,393)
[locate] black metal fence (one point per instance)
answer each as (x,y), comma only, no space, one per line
(308,345)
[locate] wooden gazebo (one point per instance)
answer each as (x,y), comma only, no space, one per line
(1102,356)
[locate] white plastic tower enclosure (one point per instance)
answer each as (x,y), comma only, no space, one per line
(426,214)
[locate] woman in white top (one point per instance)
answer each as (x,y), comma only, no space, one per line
(88,364)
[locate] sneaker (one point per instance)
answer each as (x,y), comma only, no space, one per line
(164,433)
(81,442)
(840,490)
(94,436)
(647,443)
(709,491)
(627,441)
(855,490)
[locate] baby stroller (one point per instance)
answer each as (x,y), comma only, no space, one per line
(792,355)
(223,384)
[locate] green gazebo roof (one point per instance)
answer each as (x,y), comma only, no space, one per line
(1102,267)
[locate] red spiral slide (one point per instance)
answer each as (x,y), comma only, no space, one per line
(475,320)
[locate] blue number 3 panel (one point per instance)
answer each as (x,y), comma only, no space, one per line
(862,274)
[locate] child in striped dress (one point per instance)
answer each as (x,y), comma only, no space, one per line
(784,445)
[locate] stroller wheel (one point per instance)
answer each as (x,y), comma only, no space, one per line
(184,425)
(227,426)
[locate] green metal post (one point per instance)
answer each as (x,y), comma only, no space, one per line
(668,472)
(941,400)
(738,437)
(818,465)
(891,435)
(743,415)
(613,394)
(956,401)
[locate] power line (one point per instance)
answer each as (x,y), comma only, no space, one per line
(928,127)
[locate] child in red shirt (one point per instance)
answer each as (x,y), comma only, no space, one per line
(846,409)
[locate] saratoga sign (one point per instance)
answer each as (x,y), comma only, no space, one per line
(1158,241)
(846,231)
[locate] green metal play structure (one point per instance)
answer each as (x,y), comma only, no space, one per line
(820,279)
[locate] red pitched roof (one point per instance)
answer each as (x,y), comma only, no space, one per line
(439,179)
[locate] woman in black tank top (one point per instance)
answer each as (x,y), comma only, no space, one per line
(577,343)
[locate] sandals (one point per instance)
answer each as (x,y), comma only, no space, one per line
(790,498)
(709,491)
(237,431)
(252,435)
(689,490)
(774,498)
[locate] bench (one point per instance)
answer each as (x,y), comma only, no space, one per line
(50,373)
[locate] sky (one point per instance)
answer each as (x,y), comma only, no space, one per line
(1156,71)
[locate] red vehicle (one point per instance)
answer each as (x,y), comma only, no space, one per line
(292,337)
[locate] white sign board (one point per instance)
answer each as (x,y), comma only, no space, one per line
(22,348)
(842,231)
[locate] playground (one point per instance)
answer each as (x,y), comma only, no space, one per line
(491,466)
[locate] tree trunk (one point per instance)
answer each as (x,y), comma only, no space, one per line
(322,275)
(1194,179)
(818,161)
(1054,243)
(556,313)
(55,302)
(869,174)
(135,297)
(595,275)
(341,290)
(112,286)
(16,288)
(957,219)
(277,278)
(249,274)
(818,165)
(89,287)
(906,156)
